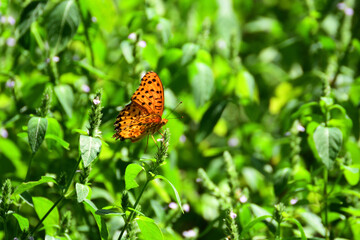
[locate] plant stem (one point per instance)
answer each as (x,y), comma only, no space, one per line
(129,218)
(5,229)
(29,167)
(86,32)
(326,204)
(59,199)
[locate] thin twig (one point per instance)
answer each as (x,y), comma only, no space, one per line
(129,218)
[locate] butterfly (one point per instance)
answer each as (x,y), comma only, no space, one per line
(143,116)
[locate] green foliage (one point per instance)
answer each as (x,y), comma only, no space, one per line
(265,144)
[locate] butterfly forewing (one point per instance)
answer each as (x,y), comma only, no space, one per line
(143,115)
(150,94)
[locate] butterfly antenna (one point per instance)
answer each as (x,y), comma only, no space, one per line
(173,110)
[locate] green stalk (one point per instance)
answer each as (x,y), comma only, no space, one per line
(59,199)
(29,167)
(326,204)
(5,229)
(129,218)
(86,32)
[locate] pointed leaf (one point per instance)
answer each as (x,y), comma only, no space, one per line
(90,148)
(29,15)
(178,200)
(127,51)
(352,174)
(328,143)
(66,97)
(82,192)
(29,185)
(99,220)
(202,82)
(23,222)
(36,132)
(132,170)
(149,229)
(42,206)
(210,119)
(62,24)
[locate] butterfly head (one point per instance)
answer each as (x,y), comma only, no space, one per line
(163,121)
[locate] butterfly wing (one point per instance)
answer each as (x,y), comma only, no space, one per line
(126,121)
(150,94)
(134,122)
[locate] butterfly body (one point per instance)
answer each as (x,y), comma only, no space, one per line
(143,115)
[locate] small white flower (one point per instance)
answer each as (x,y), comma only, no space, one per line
(300,128)
(198,180)
(85,88)
(186,207)
(142,44)
(233,142)
(341,5)
(4,133)
(159,27)
(189,234)
(287,134)
(293,201)
(233,215)
(56,59)
(3,19)
(243,199)
(10,83)
(132,36)
(349,11)
(10,42)
(160,140)
(11,20)
(182,138)
(75,58)
(221,44)
(173,205)
(96,101)
(94,19)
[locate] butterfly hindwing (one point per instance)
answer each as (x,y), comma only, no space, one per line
(150,94)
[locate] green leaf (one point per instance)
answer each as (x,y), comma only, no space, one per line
(149,229)
(90,148)
(109,212)
(89,205)
(202,82)
(189,52)
(29,15)
(23,222)
(60,141)
(29,185)
(328,143)
(313,221)
(127,51)
(62,24)
(42,206)
(82,192)
(54,135)
(132,170)
(210,119)
(177,197)
(252,223)
(66,97)
(293,220)
(36,132)
(352,174)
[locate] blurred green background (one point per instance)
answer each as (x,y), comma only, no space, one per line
(243,69)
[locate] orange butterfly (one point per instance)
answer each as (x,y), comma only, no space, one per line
(143,115)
